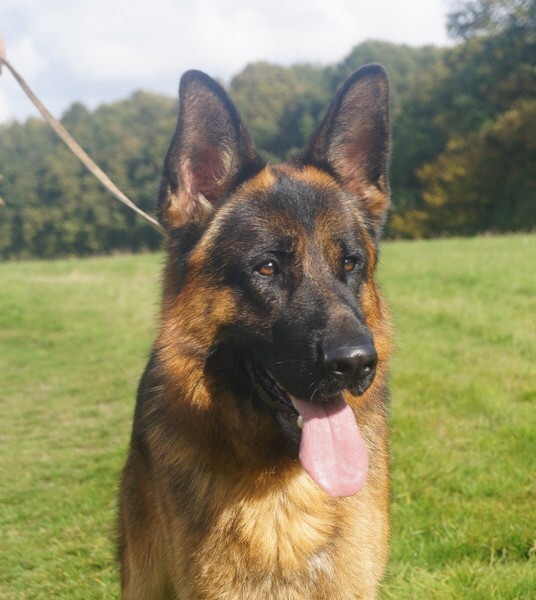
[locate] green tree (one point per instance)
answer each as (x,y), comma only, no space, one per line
(491,17)
(280,105)
(483,179)
(53,206)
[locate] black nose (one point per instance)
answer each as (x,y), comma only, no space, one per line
(351,362)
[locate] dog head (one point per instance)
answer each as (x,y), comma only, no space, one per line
(270,278)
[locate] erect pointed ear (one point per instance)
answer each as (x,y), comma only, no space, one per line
(211,152)
(353,141)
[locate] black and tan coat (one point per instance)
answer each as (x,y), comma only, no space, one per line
(268,296)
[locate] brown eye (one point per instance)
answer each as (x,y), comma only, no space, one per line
(349,264)
(268,269)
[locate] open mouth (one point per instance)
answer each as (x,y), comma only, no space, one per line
(331,448)
(276,397)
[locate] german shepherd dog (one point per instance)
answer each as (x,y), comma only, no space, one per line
(258,465)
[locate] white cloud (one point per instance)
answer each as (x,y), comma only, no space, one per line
(23,53)
(123,39)
(122,44)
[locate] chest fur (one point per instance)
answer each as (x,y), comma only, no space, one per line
(295,543)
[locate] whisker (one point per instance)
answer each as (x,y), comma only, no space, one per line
(289,362)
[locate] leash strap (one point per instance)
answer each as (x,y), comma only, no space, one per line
(73,145)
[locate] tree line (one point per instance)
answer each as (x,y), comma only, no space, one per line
(464,141)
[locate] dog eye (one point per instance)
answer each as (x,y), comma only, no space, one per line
(268,269)
(349,263)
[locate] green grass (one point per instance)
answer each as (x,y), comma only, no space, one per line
(74,336)
(463,420)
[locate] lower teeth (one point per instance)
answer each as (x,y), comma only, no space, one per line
(300,421)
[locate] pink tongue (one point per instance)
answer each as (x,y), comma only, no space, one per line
(332,449)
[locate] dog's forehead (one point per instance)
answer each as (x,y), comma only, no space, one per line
(286,188)
(296,211)
(284,198)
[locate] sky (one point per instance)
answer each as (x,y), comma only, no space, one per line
(101,51)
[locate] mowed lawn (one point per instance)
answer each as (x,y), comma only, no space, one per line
(74,336)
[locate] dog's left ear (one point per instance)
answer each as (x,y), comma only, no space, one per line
(211,152)
(353,141)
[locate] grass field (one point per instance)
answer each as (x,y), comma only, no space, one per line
(74,336)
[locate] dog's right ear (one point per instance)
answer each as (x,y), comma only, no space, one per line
(211,153)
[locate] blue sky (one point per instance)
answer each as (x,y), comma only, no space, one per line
(103,50)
